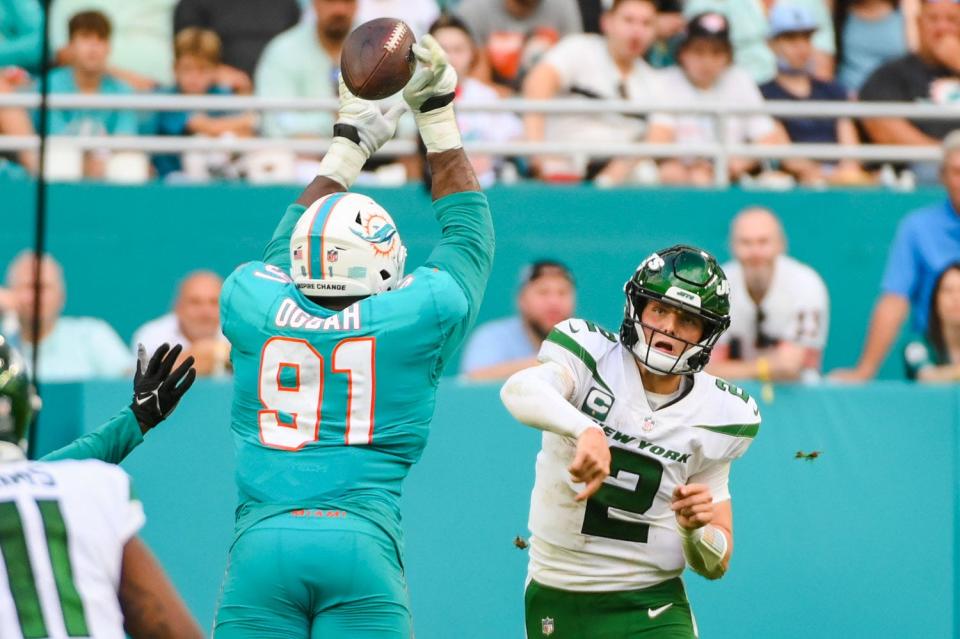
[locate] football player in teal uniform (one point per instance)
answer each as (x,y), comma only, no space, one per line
(337,354)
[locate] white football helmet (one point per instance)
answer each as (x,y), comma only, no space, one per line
(346,245)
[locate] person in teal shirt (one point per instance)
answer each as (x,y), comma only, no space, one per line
(21,22)
(337,356)
(87,73)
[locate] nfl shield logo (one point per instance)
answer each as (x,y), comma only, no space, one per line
(298,253)
(546,625)
(333,255)
(647,424)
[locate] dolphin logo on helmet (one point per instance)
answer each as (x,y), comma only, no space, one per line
(346,245)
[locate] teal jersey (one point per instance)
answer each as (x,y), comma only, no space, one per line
(332,408)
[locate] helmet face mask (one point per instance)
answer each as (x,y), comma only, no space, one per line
(687,279)
(346,245)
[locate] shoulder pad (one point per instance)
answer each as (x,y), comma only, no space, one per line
(734,405)
(582,334)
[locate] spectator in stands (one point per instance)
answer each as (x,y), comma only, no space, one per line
(15,121)
(869,33)
(197,57)
(931,75)
(304,62)
(779,308)
(462,51)
(21,32)
(670,27)
(706,74)
(935,356)
(499,348)
(608,66)
(419,14)
(927,240)
(89,48)
(791,32)
(502,26)
(244,32)
(194,322)
(71,348)
(140,52)
(748,20)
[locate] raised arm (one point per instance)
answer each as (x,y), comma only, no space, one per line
(157,389)
(466,246)
(360,130)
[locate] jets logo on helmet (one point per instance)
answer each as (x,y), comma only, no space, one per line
(689,279)
(346,245)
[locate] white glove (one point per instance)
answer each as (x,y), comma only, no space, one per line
(430,94)
(360,130)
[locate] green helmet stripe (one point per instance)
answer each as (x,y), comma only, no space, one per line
(565,341)
(748,431)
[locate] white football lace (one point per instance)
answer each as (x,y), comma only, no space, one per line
(393,41)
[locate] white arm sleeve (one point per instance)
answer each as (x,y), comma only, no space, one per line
(540,397)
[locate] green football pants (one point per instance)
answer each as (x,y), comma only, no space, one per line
(306,575)
(658,612)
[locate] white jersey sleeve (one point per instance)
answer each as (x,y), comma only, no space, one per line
(717,478)
(69,522)
(578,345)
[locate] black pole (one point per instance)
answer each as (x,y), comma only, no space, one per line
(40,230)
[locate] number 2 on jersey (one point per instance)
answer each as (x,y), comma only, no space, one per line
(291,390)
(597,520)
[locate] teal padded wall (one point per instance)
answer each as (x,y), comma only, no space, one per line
(860,543)
(124,248)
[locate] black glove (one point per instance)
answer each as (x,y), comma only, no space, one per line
(156,390)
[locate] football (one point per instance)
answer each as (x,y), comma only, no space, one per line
(377,58)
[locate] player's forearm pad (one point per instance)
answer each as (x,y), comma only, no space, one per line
(343,161)
(538,397)
(438,128)
(704,549)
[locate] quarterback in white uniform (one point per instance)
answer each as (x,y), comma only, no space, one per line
(632,476)
(71,564)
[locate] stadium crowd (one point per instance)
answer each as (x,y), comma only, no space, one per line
(654,52)
(669,52)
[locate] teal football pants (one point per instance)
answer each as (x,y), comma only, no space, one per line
(313,575)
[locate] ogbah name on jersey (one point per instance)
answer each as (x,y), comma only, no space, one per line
(290,315)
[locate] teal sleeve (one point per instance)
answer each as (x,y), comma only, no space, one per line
(277,252)
(465,250)
(21,41)
(111,442)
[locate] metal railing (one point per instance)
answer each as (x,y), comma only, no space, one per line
(720,152)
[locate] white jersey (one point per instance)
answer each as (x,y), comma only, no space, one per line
(63,526)
(625,537)
(795,309)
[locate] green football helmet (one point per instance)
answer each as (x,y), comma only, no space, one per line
(18,401)
(689,279)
